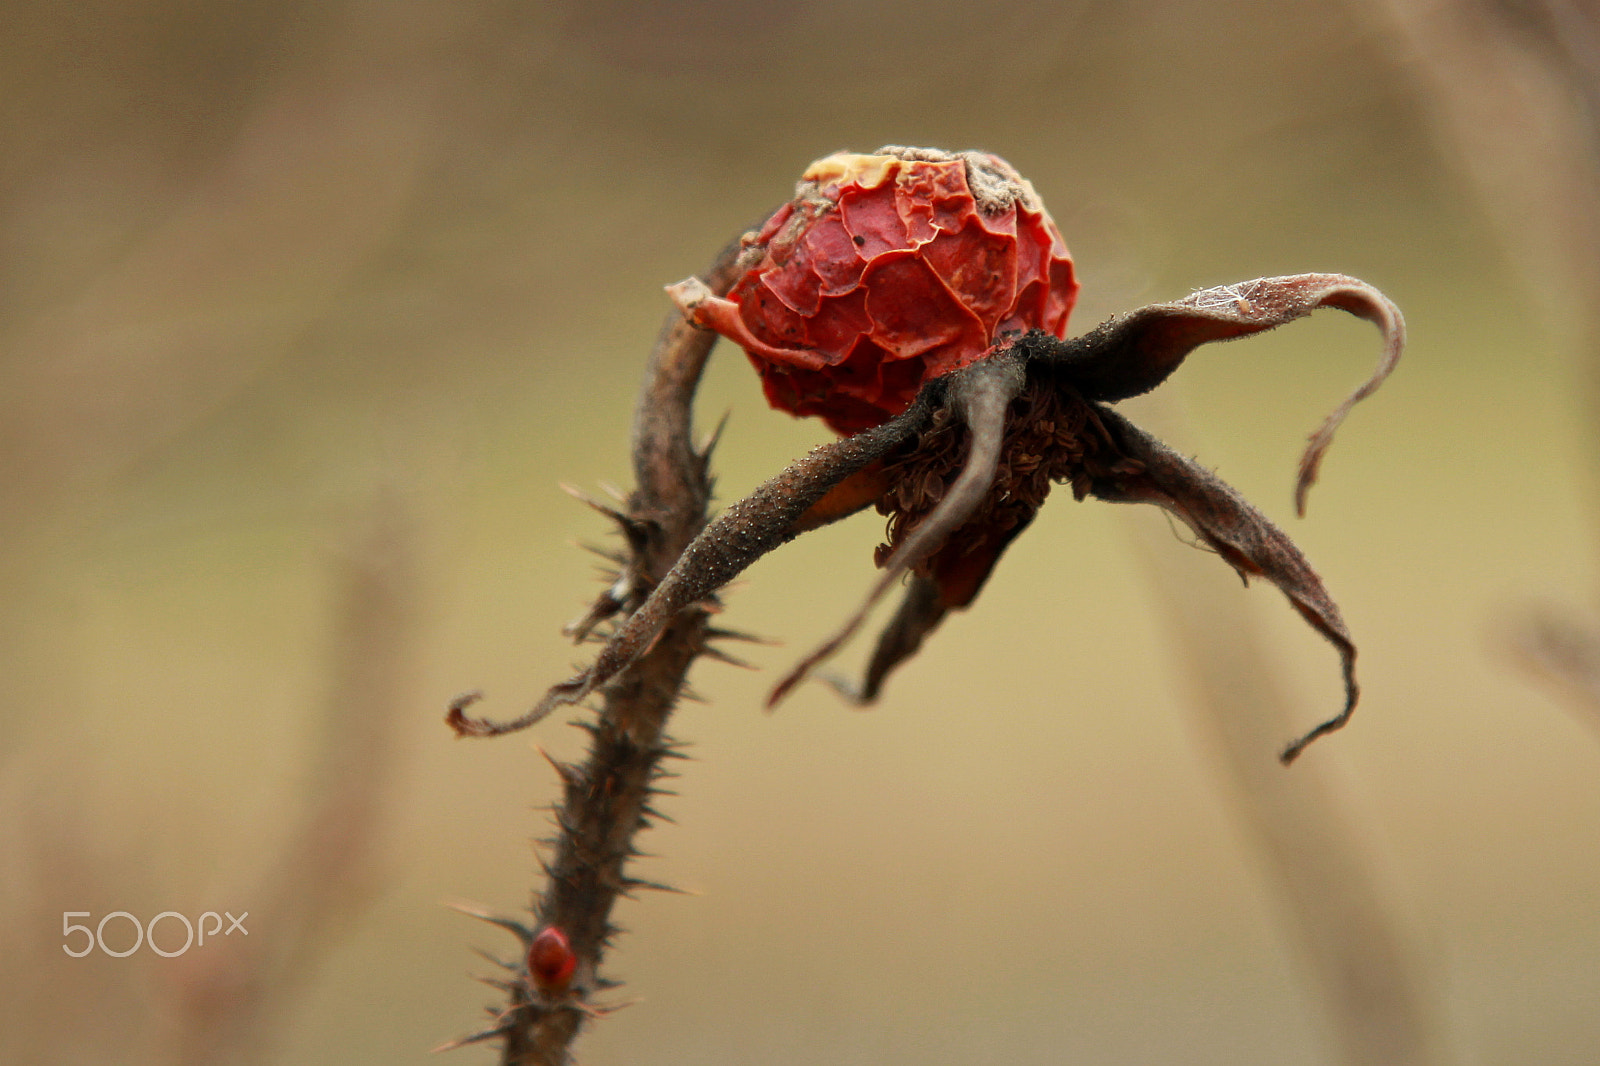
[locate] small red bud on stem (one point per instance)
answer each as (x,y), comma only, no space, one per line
(551,961)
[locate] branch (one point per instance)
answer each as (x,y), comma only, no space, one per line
(607,800)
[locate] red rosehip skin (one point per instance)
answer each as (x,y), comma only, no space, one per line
(886,271)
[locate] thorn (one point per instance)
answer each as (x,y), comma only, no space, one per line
(610,555)
(475,1038)
(654,886)
(607,604)
(482,913)
(711,651)
(502,963)
(719,633)
(570,773)
(712,439)
(690,695)
(583,497)
(499,984)
(467,1041)
(632,884)
(611,490)
(504,1019)
(634,529)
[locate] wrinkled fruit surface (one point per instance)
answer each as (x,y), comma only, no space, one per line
(888,270)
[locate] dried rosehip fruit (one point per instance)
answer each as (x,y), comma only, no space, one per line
(886,271)
(551,960)
(915,300)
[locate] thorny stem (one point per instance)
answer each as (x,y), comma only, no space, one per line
(607,800)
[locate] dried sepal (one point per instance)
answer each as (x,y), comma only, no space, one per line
(1061,430)
(1242,535)
(982,395)
(738,537)
(921,609)
(1132,353)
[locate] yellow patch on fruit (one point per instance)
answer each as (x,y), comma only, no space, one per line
(840,168)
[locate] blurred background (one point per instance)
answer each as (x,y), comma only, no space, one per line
(307,308)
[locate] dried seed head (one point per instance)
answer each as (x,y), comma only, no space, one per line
(888,270)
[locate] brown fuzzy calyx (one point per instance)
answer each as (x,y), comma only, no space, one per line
(1053,437)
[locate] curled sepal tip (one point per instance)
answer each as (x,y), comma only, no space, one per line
(1133,353)
(1363,301)
(465,726)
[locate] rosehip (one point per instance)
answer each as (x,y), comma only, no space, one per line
(551,960)
(886,271)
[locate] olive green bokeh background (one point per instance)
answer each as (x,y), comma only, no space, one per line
(262,263)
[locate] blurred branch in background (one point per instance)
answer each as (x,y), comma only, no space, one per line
(227,1005)
(250,254)
(220,1005)
(1510,87)
(274,191)
(168,229)
(92,1013)
(1339,913)
(1562,653)
(1513,88)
